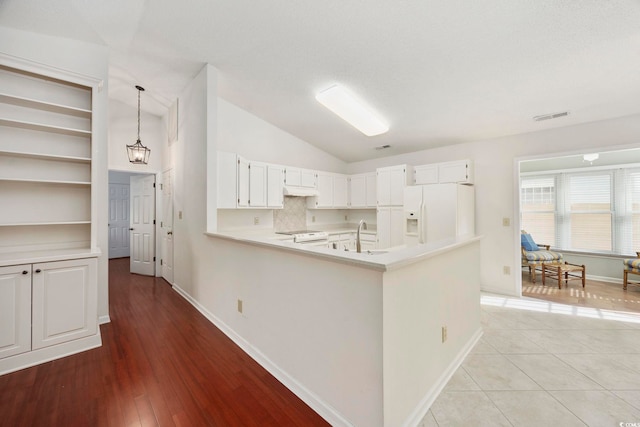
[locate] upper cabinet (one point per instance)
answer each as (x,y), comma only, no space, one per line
(297,177)
(247,184)
(333,191)
(362,190)
(390,184)
(460,171)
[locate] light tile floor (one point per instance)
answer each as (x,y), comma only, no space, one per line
(542,363)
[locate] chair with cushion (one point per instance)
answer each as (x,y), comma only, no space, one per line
(534,255)
(631,265)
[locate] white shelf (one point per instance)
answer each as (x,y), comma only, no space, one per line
(30,257)
(44,127)
(31,224)
(46,181)
(45,106)
(57,157)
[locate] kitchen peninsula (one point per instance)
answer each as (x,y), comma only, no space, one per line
(364,339)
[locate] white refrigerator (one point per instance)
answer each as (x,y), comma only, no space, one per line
(438,211)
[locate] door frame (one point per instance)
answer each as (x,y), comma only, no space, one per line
(158,212)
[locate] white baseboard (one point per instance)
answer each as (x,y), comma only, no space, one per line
(326,411)
(47,354)
(425,403)
(104,319)
(604,279)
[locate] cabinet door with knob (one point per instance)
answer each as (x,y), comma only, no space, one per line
(15,310)
(64,301)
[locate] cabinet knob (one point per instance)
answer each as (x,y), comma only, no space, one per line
(38,271)
(25,272)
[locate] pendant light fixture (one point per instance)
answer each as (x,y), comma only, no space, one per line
(138,153)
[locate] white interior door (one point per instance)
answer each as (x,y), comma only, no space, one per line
(166,226)
(118,220)
(142,220)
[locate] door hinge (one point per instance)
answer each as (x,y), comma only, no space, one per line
(160,261)
(161,186)
(160,224)
(154,222)
(154,259)
(154,185)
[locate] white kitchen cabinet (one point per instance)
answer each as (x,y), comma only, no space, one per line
(362,190)
(297,177)
(248,184)
(390,184)
(257,184)
(324,184)
(459,171)
(275,182)
(390,227)
(243,182)
(15,310)
(64,301)
(332,191)
(340,191)
(426,174)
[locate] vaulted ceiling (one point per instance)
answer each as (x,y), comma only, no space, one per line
(440,72)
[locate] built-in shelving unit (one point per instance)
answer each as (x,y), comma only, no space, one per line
(46,177)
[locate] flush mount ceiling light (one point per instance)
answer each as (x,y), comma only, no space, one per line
(355,112)
(138,153)
(591,157)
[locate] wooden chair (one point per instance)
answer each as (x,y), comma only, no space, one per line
(533,256)
(631,265)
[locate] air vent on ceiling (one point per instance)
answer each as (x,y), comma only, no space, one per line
(550,116)
(383,147)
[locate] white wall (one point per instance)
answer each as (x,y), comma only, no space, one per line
(89,60)
(495,163)
(243,133)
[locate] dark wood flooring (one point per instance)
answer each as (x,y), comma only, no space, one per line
(161,363)
(595,294)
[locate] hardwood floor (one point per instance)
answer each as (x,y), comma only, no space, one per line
(595,294)
(161,363)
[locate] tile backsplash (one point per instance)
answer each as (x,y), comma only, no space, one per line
(293,216)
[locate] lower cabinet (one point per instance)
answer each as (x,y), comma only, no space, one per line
(15,310)
(46,304)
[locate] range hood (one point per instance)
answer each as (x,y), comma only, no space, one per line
(300,191)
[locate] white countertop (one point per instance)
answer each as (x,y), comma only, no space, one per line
(32,257)
(380,260)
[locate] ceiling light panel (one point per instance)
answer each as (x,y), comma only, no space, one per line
(352,110)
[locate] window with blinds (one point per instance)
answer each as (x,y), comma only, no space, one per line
(595,211)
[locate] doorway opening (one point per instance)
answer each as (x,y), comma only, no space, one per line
(132,220)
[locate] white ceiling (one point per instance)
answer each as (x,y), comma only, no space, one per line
(441,72)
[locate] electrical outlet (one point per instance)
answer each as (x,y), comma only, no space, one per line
(444,333)
(506,270)
(346,218)
(240,306)
(179,214)
(313,218)
(506,222)
(256,220)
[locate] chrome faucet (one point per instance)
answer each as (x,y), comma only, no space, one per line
(361,225)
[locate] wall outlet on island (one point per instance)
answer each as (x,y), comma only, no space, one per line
(444,333)
(313,218)
(256,220)
(346,218)
(506,270)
